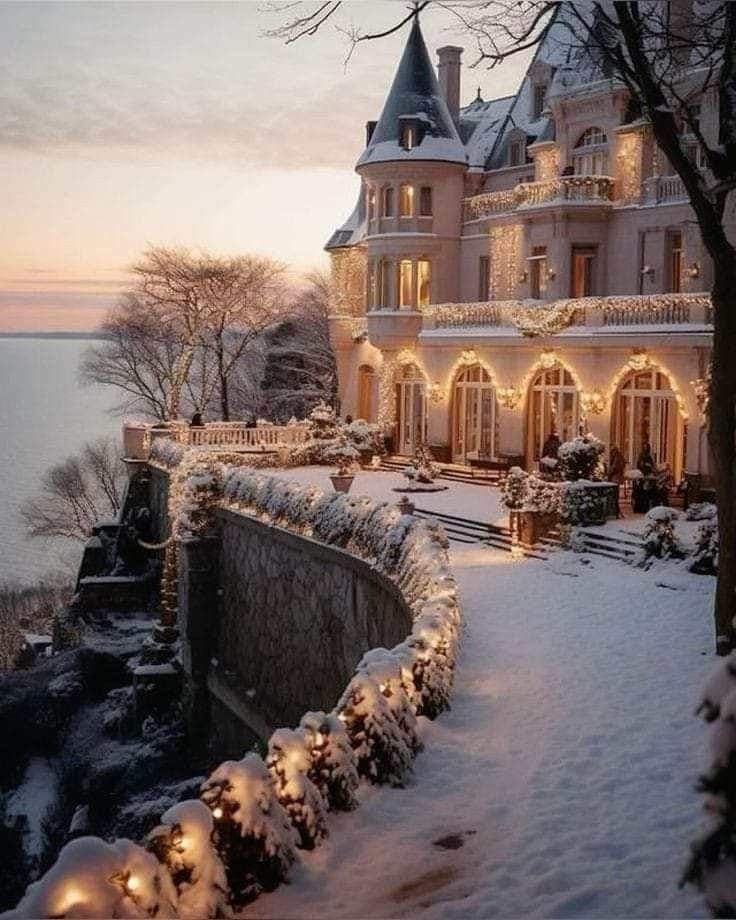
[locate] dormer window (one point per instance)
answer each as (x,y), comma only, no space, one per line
(406,201)
(515,153)
(411,131)
(539,100)
(408,139)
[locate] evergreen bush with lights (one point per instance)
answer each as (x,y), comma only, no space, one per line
(288,763)
(332,760)
(253,833)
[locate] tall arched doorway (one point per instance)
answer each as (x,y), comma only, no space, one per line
(367,392)
(411,409)
(473,415)
(553,408)
(645,410)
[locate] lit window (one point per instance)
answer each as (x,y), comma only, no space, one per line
(425,201)
(371,200)
(590,157)
(407,137)
(406,200)
(388,202)
(538,272)
(423,279)
(405,283)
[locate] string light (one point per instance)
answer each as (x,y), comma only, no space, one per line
(217,812)
(639,360)
(592,403)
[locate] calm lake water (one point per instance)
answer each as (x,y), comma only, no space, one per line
(45,415)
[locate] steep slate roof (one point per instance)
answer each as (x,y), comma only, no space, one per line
(353,229)
(415,92)
(480,123)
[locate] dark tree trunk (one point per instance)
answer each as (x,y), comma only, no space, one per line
(222,373)
(722,438)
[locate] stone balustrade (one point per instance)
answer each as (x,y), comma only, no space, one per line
(137,437)
(586,189)
(663,190)
(535,318)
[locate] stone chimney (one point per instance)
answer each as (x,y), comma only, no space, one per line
(449,78)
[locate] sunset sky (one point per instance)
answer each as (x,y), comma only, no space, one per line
(123,124)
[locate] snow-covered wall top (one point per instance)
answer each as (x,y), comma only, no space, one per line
(210,856)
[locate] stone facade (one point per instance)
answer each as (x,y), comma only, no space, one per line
(285,618)
(462,241)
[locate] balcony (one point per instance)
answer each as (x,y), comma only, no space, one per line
(581,189)
(663,190)
(224,436)
(530,318)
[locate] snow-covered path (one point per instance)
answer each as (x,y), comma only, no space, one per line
(565,767)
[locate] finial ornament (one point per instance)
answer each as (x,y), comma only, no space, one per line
(479,98)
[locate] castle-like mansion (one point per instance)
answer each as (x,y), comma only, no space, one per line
(519,267)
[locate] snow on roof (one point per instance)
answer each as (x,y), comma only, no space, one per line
(353,228)
(415,93)
(480,123)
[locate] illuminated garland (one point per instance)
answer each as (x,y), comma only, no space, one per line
(640,360)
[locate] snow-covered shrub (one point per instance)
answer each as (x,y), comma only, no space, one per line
(541,496)
(658,537)
(381,665)
(332,760)
(422,469)
(382,753)
(513,488)
(288,762)
(93,879)
(167,453)
(183,842)
(701,511)
(580,458)
(705,556)
(198,495)
(712,863)
(365,436)
(253,833)
(582,503)
(340,452)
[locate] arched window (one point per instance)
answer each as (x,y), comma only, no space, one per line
(366,392)
(406,200)
(590,156)
(388,201)
(645,411)
(473,415)
(553,409)
(411,409)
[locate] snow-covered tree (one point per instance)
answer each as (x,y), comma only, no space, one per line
(93,879)
(659,540)
(513,488)
(705,555)
(289,763)
(184,843)
(712,863)
(332,760)
(253,833)
(382,753)
(581,458)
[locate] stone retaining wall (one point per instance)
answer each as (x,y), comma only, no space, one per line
(286,618)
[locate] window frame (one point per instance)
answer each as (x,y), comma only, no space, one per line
(406,194)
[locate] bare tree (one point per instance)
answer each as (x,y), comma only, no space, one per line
(300,364)
(181,329)
(29,609)
(78,492)
(669,56)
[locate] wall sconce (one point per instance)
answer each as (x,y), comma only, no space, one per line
(435,393)
(593,403)
(638,361)
(509,396)
(648,271)
(694,270)
(551,274)
(523,277)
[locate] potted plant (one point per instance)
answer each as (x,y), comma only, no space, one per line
(345,456)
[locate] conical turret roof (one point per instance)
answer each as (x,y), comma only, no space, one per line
(415,93)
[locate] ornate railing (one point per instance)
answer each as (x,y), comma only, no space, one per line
(531,318)
(137,436)
(663,190)
(533,194)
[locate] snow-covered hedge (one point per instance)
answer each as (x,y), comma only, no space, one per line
(580,458)
(209,857)
(712,863)
(583,502)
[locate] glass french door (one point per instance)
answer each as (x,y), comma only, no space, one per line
(474,416)
(411,415)
(646,412)
(553,409)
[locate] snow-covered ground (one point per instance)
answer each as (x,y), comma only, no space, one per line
(565,769)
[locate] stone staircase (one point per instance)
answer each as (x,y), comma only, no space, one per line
(451,471)
(622,548)
(467,530)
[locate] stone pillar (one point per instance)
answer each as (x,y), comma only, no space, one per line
(199,618)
